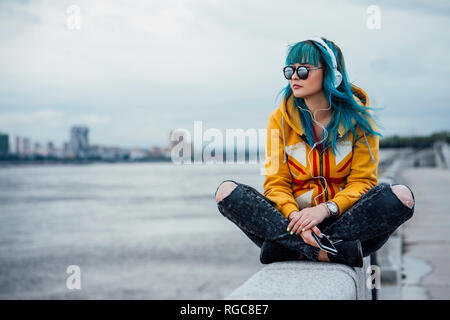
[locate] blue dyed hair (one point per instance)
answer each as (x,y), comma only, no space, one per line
(344,106)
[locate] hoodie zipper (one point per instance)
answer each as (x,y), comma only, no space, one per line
(321,174)
(321,169)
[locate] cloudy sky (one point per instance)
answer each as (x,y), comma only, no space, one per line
(136,69)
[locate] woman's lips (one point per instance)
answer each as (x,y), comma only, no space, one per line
(296,86)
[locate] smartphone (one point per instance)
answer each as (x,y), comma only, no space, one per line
(325,244)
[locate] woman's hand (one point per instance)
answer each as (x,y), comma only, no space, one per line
(308,238)
(307,218)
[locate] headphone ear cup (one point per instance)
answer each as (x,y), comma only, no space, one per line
(337,78)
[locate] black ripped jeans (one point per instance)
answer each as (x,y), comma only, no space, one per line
(372,219)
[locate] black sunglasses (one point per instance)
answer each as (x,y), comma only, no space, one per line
(302,71)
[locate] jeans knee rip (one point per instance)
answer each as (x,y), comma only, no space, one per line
(222,202)
(400,201)
(405,204)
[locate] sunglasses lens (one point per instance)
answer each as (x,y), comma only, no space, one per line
(288,72)
(302,73)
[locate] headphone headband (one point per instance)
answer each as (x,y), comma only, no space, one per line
(337,74)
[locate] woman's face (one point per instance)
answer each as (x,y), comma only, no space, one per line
(309,86)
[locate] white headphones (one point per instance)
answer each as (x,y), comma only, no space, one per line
(337,74)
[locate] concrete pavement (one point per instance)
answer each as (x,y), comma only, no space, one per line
(426,257)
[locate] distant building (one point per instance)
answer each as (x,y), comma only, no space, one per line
(4,144)
(66,152)
(26,150)
(38,149)
(51,151)
(17,145)
(123,154)
(79,141)
(137,154)
(95,151)
(110,154)
(156,151)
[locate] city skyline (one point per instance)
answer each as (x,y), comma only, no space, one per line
(76,147)
(32,143)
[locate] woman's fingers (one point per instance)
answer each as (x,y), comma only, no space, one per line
(312,222)
(313,242)
(296,224)
(310,225)
(304,237)
(307,237)
(293,221)
(303,224)
(297,228)
(316,231)
(305,219)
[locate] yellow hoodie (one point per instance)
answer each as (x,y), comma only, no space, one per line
(288,169)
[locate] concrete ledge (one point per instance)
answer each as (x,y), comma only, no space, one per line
(389,258)
(305,280)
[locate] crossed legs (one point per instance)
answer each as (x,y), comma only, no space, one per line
(402,192)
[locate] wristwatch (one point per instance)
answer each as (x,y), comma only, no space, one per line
(333,210)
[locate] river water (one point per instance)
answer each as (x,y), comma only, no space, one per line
(134,230)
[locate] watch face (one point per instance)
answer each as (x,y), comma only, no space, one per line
(333,207)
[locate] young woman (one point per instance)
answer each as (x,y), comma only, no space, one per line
(321,169)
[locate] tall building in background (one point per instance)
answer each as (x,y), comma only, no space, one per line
(66,153)
(26,150)
(17,145)
(51,150)
(4,144)
(37,149)
(79,141)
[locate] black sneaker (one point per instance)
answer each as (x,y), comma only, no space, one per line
(273,252)
(349,252)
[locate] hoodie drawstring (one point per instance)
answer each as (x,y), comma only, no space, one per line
(373,160)
(284,144)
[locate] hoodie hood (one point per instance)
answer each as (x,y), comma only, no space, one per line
(359,95)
